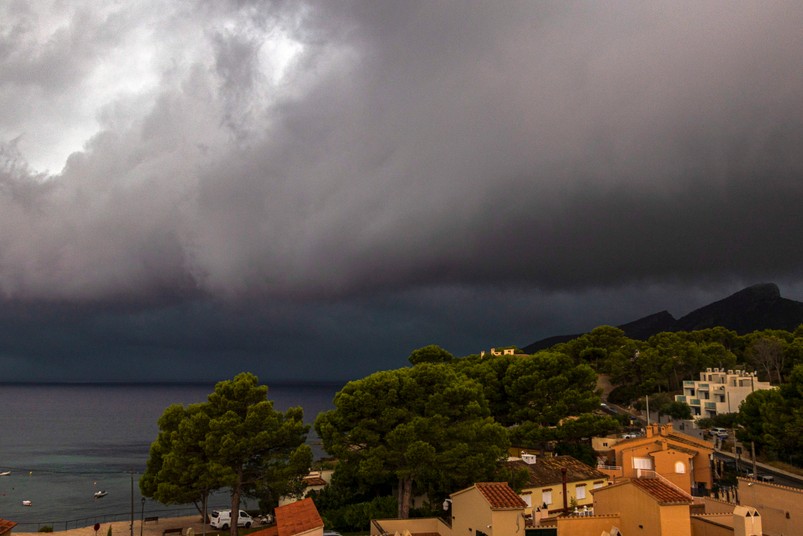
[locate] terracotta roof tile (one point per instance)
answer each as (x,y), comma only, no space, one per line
(661,491)
(6,526)
(270,531)
(547,470)
(499,495)
(297,517)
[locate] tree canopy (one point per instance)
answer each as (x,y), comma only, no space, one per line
(235,440)
(425,426)
(430,354)
(178,470)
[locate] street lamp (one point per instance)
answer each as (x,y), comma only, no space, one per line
(142,517)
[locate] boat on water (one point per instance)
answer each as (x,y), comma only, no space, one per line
(26,503)
(5,473)
(100,494)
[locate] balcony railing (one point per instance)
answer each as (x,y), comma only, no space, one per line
(609,467)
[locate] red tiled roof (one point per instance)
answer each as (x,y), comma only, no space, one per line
(547,470)
(6,526)
(297,517)
(270,531)
(661,491)
(499,495)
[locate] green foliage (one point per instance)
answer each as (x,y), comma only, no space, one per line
(109,531)
(236,440)
(623,395)
(179,469)
(723,420)
(581,451)
(430,354)
(426,426)
(45,528)
(773,420)
(547,387)
(259,451)
(678,410)
(357,516)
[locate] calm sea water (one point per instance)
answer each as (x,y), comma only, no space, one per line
(64,442)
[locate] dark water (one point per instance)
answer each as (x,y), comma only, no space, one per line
(64,442)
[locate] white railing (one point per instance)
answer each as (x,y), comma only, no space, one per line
(609,467)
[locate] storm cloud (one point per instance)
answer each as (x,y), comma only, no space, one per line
(315,182)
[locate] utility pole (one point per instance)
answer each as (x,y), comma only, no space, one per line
(132,503)
(648,409)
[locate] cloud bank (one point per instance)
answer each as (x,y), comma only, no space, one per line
(358,160)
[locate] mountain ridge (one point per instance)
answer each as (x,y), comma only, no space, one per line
(753,308)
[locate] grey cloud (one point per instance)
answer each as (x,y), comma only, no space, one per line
(415,157)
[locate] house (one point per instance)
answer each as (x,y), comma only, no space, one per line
(314,481)
(717,520)
(780,507)
(484,509)
(6,527)
(300,518)
(556,483)
(682,459)
(718,391)
(508,350)
(648,505)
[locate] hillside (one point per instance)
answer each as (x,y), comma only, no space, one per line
(752,309)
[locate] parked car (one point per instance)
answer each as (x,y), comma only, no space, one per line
(720,432)
(221,519)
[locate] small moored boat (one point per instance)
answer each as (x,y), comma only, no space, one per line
(5,473)
(26,503)
(100,494)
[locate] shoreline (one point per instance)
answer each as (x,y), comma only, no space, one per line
(124,528)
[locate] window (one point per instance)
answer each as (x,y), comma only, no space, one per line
(580,492)
(642,463)
(598,484)
(527,498)
(680,467)
(546,495)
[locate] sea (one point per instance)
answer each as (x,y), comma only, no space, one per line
(63,442)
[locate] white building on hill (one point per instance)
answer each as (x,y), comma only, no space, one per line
(718,391)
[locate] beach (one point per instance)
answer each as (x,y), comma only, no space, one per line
(123,528)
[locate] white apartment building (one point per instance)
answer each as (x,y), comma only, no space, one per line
(718,391)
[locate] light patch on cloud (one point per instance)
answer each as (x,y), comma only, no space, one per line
(314,154)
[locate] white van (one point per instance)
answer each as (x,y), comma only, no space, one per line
(221,519)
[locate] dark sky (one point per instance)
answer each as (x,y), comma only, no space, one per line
(310,190)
